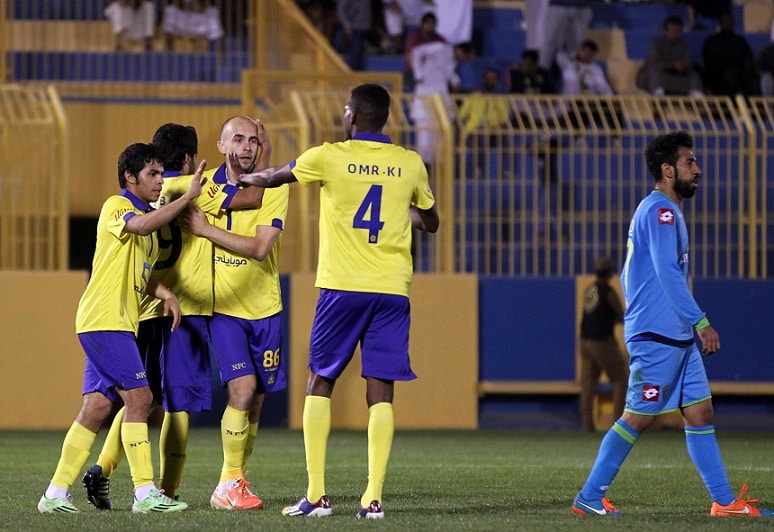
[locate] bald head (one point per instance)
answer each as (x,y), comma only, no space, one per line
(239,135)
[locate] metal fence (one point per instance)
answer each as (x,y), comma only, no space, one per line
(545,185)
(33,188)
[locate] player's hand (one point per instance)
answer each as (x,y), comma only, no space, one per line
(197,182)
(193,220)
(172,306)
(263,136)
(710,340)
(234,166)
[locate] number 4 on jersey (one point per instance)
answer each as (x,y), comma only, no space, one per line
(373,203)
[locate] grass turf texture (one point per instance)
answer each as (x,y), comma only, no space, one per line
(445,480)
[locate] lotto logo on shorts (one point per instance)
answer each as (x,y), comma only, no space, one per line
(666,217)
(650,393)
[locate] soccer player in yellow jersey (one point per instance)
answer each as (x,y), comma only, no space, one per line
(246,327)
(372,194)
(107,322)
(178,365)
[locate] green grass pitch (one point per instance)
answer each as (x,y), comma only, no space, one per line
(437,480)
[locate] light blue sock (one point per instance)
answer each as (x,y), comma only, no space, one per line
(705,453)
(614,449)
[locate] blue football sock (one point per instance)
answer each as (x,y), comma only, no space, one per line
(614,449)
(705,453)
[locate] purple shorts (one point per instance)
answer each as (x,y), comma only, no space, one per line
(249,347)
(380,323)
(150,338)
(112,361)
(177,364)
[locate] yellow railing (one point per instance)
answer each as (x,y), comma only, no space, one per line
(546,184)
(4,74)
(285,39)
(33,187)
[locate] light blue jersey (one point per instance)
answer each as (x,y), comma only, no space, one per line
(655,274)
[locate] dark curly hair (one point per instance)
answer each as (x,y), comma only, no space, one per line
(664,149)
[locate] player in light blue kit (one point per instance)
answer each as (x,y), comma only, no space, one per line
(667,372)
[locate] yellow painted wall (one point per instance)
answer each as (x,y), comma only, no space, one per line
(444,354)
(99,132)
(40,358)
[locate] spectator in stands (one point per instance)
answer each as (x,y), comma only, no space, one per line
(455,20)
(728,62)
(425,34)
(580,74)
(322,14)
(535,23)
(712,9)
(195,19)
(668,68)
(132,21)
(566,23)
(356,19)
(764,64)
(528,77)
(464,54)
(599,350)
(402,18)
(435,72)
(490,84)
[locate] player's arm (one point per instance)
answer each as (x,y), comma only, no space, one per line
(271,177)
(425,220)
(150,222)
(256,247)
(171,304)
(252,197)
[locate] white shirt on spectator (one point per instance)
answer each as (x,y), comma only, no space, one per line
(204,24)
(582,78)
(135,24)
(455,20)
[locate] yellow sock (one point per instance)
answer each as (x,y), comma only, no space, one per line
(252,433)
(233,433)
(112,451)
(75,451)
(138,452)
(317,427)
(381,427)
(173,444)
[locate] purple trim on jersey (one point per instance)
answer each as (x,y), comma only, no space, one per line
(221,178)
(137,202)
(276,222)
(185,366)
(378,322)
(171,173)
(112,360)
(373,137)
(292,164)
(249,347)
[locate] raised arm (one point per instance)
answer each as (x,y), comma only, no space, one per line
(150,222)
(271,177)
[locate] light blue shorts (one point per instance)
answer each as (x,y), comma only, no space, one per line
(664,378)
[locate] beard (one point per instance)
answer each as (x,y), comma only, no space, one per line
(684,187)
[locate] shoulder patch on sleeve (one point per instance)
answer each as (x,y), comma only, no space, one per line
(666,216)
